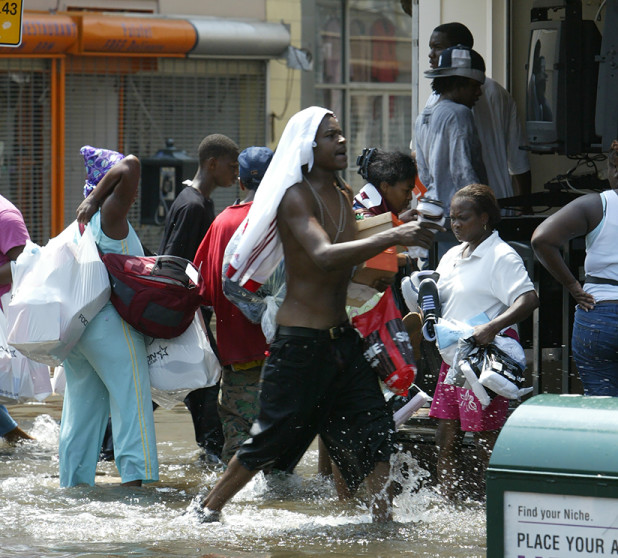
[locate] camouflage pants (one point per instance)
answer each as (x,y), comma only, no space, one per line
(239,400)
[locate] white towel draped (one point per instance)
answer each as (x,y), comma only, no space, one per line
(259,250)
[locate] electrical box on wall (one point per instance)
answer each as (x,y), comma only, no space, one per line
(162,180)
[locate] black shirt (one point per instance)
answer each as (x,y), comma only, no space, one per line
(189,218)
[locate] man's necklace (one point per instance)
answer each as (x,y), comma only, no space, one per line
(323,207)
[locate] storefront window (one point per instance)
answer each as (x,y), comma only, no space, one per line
(380,42)
(363,72)
(329,51)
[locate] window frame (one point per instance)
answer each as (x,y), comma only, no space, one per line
(311,87)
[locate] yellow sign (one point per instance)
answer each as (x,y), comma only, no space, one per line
(11,16)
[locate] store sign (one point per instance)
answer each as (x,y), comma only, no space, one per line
(11,17)
(559,526)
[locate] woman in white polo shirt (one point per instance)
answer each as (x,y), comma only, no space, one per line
(481,274)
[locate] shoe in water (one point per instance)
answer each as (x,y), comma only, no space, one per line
(202,514)
(209,458)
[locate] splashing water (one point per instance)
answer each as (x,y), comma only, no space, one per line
(273,516)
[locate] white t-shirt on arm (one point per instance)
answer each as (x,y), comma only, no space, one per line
(488,280)
(501,133)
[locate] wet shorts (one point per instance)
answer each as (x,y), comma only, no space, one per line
(313,384)
(455,403)
(238,405)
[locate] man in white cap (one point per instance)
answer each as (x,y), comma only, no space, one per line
(315,379)
(496,119)
(448,149)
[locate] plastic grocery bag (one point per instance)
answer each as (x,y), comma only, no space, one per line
(503,368)
(449,332)
(496,369)
(21,379)
(387,345)
(57,290)
(182,364)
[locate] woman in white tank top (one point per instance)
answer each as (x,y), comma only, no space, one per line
(595,329)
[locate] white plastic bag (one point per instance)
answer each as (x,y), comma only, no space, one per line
(21,379)
(269,318)
(504,372)
(449,332)
(57,290)
(498,367)
(180,365)
(59,380)
(477,388)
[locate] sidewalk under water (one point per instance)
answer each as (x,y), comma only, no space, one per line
(293,516)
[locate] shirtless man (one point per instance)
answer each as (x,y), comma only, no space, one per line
(316,379)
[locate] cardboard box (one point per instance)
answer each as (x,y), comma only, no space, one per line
(359,295)
(382,266)
(371,225)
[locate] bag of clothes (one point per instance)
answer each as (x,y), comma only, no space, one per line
(495,369)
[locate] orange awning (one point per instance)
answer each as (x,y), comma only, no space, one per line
(45,34)
(107,34)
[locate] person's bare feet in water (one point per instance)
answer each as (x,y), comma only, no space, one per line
(17,435)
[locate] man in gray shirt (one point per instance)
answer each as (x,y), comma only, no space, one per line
(448,149)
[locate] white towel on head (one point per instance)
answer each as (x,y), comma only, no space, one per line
(259,250)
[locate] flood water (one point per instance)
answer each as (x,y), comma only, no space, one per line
(272,518)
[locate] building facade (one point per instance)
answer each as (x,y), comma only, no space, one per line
(131,74)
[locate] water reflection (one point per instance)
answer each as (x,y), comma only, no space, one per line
(274,517)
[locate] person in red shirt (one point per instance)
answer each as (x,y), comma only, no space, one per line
(241,343)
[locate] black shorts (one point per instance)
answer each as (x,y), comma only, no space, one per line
(312,385)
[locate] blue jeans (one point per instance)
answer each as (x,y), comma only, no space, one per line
(595,348)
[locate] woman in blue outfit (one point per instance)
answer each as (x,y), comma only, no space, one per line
(595,330)
(107,371)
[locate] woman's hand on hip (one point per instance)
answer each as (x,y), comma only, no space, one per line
(584,300)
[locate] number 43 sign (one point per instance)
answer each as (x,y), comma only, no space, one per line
(11,14)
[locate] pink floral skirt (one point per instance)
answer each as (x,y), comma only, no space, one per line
(455,403)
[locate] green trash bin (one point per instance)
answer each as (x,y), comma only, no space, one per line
(552,481)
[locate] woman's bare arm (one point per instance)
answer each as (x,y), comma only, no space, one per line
(575,219)
(115,195)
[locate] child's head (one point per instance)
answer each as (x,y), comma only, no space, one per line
(392,173)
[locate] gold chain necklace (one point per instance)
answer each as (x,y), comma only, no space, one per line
(323,207)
